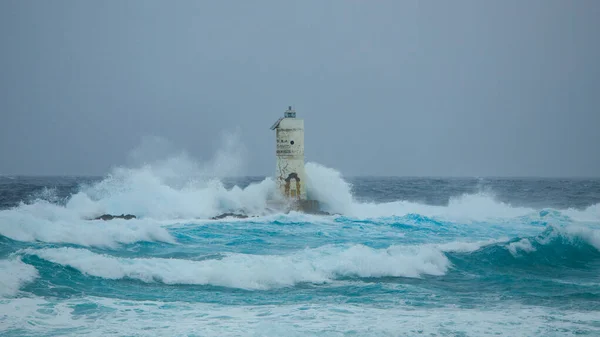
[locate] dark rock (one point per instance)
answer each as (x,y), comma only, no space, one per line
(319,213)
(110,217)
(229,215)
(106,217)
(244,216)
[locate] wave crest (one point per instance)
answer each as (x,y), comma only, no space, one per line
(257,272)
(177,188)
(47,222)
(15,274)
(556,247)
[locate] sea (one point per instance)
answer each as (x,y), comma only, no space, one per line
(395,257)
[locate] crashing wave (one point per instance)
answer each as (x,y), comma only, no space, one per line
(15,274)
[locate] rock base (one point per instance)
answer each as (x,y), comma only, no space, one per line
(110,217)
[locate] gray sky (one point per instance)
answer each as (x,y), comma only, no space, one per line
(469,88)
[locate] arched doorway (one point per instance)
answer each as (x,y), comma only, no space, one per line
(292,193)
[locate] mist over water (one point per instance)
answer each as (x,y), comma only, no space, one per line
(430,256)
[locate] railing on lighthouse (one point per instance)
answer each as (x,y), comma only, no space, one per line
(290,113)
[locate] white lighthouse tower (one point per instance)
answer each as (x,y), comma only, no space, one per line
(289,173)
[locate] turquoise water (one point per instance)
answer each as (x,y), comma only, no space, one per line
(442,258)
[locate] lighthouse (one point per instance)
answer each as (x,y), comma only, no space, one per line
(289,171)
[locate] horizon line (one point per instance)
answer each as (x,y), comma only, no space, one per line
(343,176)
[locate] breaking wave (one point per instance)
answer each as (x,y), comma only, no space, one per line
(14,275)
(463,261)
(255,272)
(171,190)
(180,189)
(47,222)
(556,247)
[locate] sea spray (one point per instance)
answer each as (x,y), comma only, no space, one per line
(479,264)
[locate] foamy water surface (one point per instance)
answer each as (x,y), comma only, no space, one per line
(396,257)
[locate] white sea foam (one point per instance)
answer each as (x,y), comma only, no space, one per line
(328,186)
(570,233)
(178,188)
(172,188)
(468,207)
(243,271)
(152,318)
(43,221)
(14,274)
(523,245)
(589,235)
(588,214)
(146,195)
(467,247)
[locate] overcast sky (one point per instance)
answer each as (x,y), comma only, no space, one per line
(405,88)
